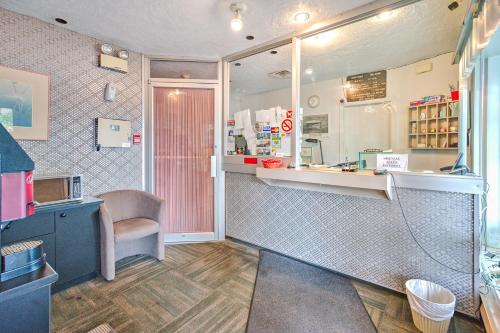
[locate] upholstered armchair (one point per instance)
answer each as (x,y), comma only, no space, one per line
(131,223)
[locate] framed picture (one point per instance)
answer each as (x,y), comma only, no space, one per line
(315,124)
(24,103)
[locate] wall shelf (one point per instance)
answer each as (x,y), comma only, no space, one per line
(436,117)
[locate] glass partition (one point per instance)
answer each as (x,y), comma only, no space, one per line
(259,101)
(385,84)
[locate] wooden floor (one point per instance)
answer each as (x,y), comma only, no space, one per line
(198,288)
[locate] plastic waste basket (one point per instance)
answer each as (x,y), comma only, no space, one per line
(432,306)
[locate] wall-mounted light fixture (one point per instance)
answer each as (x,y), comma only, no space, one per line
(107,60)
(237,8)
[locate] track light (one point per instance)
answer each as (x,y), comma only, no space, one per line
(237,8)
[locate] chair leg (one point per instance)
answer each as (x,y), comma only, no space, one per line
(160,255)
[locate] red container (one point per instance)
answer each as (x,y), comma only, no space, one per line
(16,197)
(272,163)
(455,95)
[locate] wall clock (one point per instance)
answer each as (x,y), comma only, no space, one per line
(313,101)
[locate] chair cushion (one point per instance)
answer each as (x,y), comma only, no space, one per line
(130,229)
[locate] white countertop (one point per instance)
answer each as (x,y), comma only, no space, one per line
(365,183)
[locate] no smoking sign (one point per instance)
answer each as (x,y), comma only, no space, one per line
(286,125)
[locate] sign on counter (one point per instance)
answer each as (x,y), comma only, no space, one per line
(392,162)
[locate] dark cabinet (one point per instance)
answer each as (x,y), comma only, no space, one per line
(71,239)
(77,243)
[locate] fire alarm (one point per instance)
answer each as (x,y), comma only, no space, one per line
(136,139)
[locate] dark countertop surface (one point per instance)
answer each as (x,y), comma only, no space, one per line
(27,283)
(87,201)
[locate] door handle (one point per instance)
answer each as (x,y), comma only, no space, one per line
(213,166)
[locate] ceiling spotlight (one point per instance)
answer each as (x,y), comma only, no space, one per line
(237,64)
(106,49)
(123,54)
(236,23)
(60,20)
(385,15)
(250,37)
(237,8)
(301,17)
(452,6)
(308,71)
(273,52)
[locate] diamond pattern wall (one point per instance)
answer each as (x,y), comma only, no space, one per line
(77,97)
(361,237)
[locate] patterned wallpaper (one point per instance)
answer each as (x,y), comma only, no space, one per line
(77,97)
(361,237)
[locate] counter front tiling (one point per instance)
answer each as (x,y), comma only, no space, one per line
(345,222)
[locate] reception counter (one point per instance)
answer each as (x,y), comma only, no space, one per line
(354,224)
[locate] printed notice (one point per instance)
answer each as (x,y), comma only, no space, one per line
(392,162)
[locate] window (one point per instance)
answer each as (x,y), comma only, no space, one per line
(367,88)
(260,97)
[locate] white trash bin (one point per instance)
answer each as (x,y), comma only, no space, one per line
(432,306)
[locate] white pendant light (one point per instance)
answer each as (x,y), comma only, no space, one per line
(237,8)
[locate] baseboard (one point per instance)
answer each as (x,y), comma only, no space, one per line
(193,237)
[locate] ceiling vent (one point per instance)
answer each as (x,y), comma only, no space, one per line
(282,74)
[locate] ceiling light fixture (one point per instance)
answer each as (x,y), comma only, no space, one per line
(385,15)
(250,37)
(237,8)
(60,20)
(273,52)
(308,71)
(301,17)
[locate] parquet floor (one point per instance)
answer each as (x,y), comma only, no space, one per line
(198,288)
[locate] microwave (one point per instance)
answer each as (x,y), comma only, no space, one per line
(50,190)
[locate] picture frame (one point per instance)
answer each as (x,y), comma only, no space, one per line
(24,103)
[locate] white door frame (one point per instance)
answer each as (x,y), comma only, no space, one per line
(219,192)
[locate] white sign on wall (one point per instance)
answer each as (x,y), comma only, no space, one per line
(392,162)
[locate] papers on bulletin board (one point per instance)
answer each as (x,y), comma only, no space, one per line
(266,116)
(242,119)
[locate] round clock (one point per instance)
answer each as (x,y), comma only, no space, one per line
(313,101)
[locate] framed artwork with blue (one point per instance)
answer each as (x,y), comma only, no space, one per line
(24,103)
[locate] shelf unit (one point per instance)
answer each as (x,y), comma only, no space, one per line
(430,124)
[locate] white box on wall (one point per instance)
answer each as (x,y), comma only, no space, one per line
(114,63)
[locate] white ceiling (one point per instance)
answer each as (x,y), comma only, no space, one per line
(180,28)
(418,31)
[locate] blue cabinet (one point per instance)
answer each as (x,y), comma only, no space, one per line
(70,234)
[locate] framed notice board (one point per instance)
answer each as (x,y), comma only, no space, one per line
(366,86)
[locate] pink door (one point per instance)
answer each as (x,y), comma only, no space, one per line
(183,146)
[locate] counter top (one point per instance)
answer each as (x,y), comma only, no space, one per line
(87,201)
(364,183)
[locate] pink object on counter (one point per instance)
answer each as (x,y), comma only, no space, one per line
(17,195)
